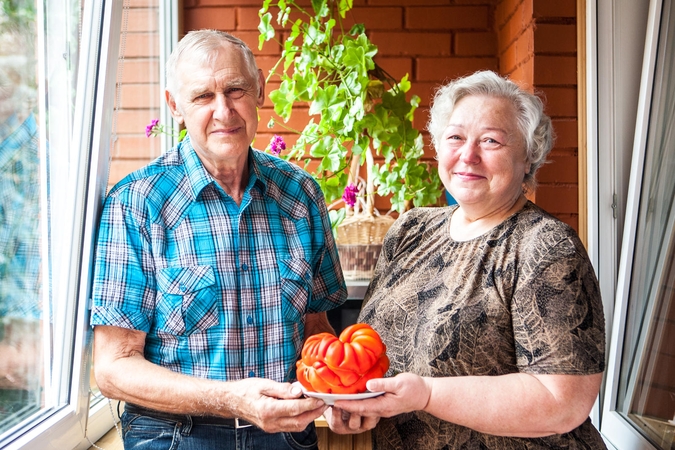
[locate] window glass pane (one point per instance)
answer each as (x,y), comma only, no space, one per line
(20,275)
(35,132)
(647,383)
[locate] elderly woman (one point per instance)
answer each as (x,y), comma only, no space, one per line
(490,309)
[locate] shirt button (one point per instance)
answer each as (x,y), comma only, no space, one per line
(244,267)
(249,320)
(182,287)
(251,374)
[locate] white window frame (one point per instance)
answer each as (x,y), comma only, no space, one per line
(614,427)
(103,413)
(616,31)
(169,25)
(67,384)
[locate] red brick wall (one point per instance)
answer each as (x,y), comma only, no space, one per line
(139,94)
(533,41)
(537,47)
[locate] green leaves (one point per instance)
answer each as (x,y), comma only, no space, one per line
(353,103)
(320,7)
(266,29)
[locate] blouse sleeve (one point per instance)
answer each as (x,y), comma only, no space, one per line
(558,320)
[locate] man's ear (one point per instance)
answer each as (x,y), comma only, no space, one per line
(261,88)
(173,107)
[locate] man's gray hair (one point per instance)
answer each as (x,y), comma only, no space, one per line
(534,125)
(202,45)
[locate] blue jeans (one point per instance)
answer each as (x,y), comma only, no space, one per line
(143,432)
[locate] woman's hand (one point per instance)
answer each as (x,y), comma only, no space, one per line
(343,422)
(403,393)
(516,404)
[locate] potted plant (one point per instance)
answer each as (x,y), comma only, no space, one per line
(357,112)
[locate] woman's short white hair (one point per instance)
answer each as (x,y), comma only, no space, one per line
(203,45)
(534,125)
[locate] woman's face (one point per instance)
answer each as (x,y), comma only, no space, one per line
(481,156)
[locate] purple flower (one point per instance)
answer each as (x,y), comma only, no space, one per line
(150,128)
(349,196)
(277,145)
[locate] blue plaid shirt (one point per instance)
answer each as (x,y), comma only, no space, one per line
(221,290)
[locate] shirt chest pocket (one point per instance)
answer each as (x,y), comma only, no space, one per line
(186,300)
(296,283)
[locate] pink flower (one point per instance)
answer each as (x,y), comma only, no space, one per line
(349,196)
(277,145)
(150,128)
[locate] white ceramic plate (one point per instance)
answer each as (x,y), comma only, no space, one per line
(329,399)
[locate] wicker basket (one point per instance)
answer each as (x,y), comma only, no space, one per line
(359,244)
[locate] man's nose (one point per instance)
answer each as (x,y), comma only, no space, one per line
(222,107)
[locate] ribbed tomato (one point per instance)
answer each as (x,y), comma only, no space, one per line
(333,365)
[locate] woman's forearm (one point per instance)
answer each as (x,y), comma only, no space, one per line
(521,404)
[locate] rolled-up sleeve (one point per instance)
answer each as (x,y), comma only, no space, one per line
(124,284)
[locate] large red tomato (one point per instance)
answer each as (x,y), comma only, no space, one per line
(332,365)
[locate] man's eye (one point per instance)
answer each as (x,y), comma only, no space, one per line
(235,93)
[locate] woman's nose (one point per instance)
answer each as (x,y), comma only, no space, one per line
(470,152)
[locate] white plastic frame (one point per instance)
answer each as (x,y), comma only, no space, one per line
(615,427)
(65,426)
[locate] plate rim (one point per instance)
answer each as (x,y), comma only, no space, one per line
(335,397)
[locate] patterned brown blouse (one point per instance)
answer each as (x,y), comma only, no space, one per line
(521,298)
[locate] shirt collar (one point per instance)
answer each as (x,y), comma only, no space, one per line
(199,177)
(257,178)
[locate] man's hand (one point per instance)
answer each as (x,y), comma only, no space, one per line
(275,407)
(124,374)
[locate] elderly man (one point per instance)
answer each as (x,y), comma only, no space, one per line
(213,263)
